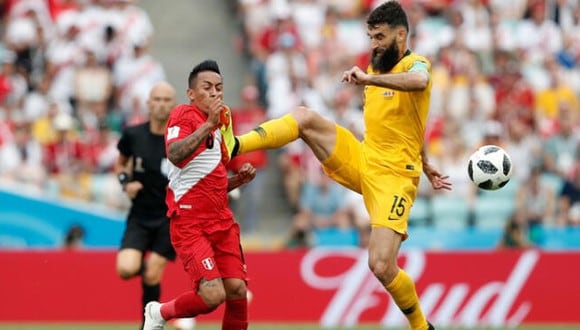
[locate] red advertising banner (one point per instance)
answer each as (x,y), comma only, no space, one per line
(328,286)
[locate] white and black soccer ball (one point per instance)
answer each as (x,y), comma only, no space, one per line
(490,167)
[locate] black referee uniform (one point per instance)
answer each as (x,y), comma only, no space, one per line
(147,227)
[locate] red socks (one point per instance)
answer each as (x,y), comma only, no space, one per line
(236,315)
(188,304)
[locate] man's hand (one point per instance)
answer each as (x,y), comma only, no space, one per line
(246,173)
(355,76)
(132,189)
(214,112)
(438,181)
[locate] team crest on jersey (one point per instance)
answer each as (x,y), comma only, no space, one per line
(207,263)
(172,132)
(388,93)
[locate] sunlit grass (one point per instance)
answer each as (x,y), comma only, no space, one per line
(258,326)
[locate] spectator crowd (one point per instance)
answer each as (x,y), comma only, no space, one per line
(74,73)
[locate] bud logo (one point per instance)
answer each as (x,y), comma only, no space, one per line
(207,263)
(463,302)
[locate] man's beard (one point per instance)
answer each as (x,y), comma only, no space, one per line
(385,62)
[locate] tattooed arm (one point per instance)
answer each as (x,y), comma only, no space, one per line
(180,150)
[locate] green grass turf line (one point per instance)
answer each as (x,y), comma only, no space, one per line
(255,326)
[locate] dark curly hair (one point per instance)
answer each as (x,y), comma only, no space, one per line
(390,13)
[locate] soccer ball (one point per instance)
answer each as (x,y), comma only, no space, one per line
(490,167)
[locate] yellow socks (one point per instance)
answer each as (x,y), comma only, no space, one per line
(402,290)
(272,134)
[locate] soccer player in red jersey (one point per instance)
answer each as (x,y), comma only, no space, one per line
(203,231)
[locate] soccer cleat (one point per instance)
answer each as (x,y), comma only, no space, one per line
(431,327)
(153,319)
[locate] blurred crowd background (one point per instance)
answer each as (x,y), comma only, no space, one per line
(75,73)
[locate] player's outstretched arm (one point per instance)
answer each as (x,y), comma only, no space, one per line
(246,174)
(416,80)
(404,81)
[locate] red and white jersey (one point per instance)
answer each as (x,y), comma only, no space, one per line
(197,185)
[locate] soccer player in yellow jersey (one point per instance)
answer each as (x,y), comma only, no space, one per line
(384,167)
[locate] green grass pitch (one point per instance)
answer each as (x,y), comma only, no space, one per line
(261,326)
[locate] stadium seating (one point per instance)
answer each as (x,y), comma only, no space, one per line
(449,211)
(561,238)
(420,212)
(507,192)
(335,237)
(492,211)
(429,238)
(554,181)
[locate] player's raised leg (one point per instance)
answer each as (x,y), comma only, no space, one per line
(318,132)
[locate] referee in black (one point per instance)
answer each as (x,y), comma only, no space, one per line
(142,172)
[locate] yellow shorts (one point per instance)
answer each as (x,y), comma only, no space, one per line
(388,196)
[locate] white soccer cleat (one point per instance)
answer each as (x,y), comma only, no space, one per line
(153,319)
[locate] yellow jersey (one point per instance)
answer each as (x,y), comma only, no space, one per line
(395,121)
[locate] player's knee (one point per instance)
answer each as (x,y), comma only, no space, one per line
(384,271)
(126,272)
(129,263)
(237,291)
(305,117)
(152,276)
(213,296)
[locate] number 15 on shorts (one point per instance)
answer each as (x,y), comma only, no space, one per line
(398,208)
